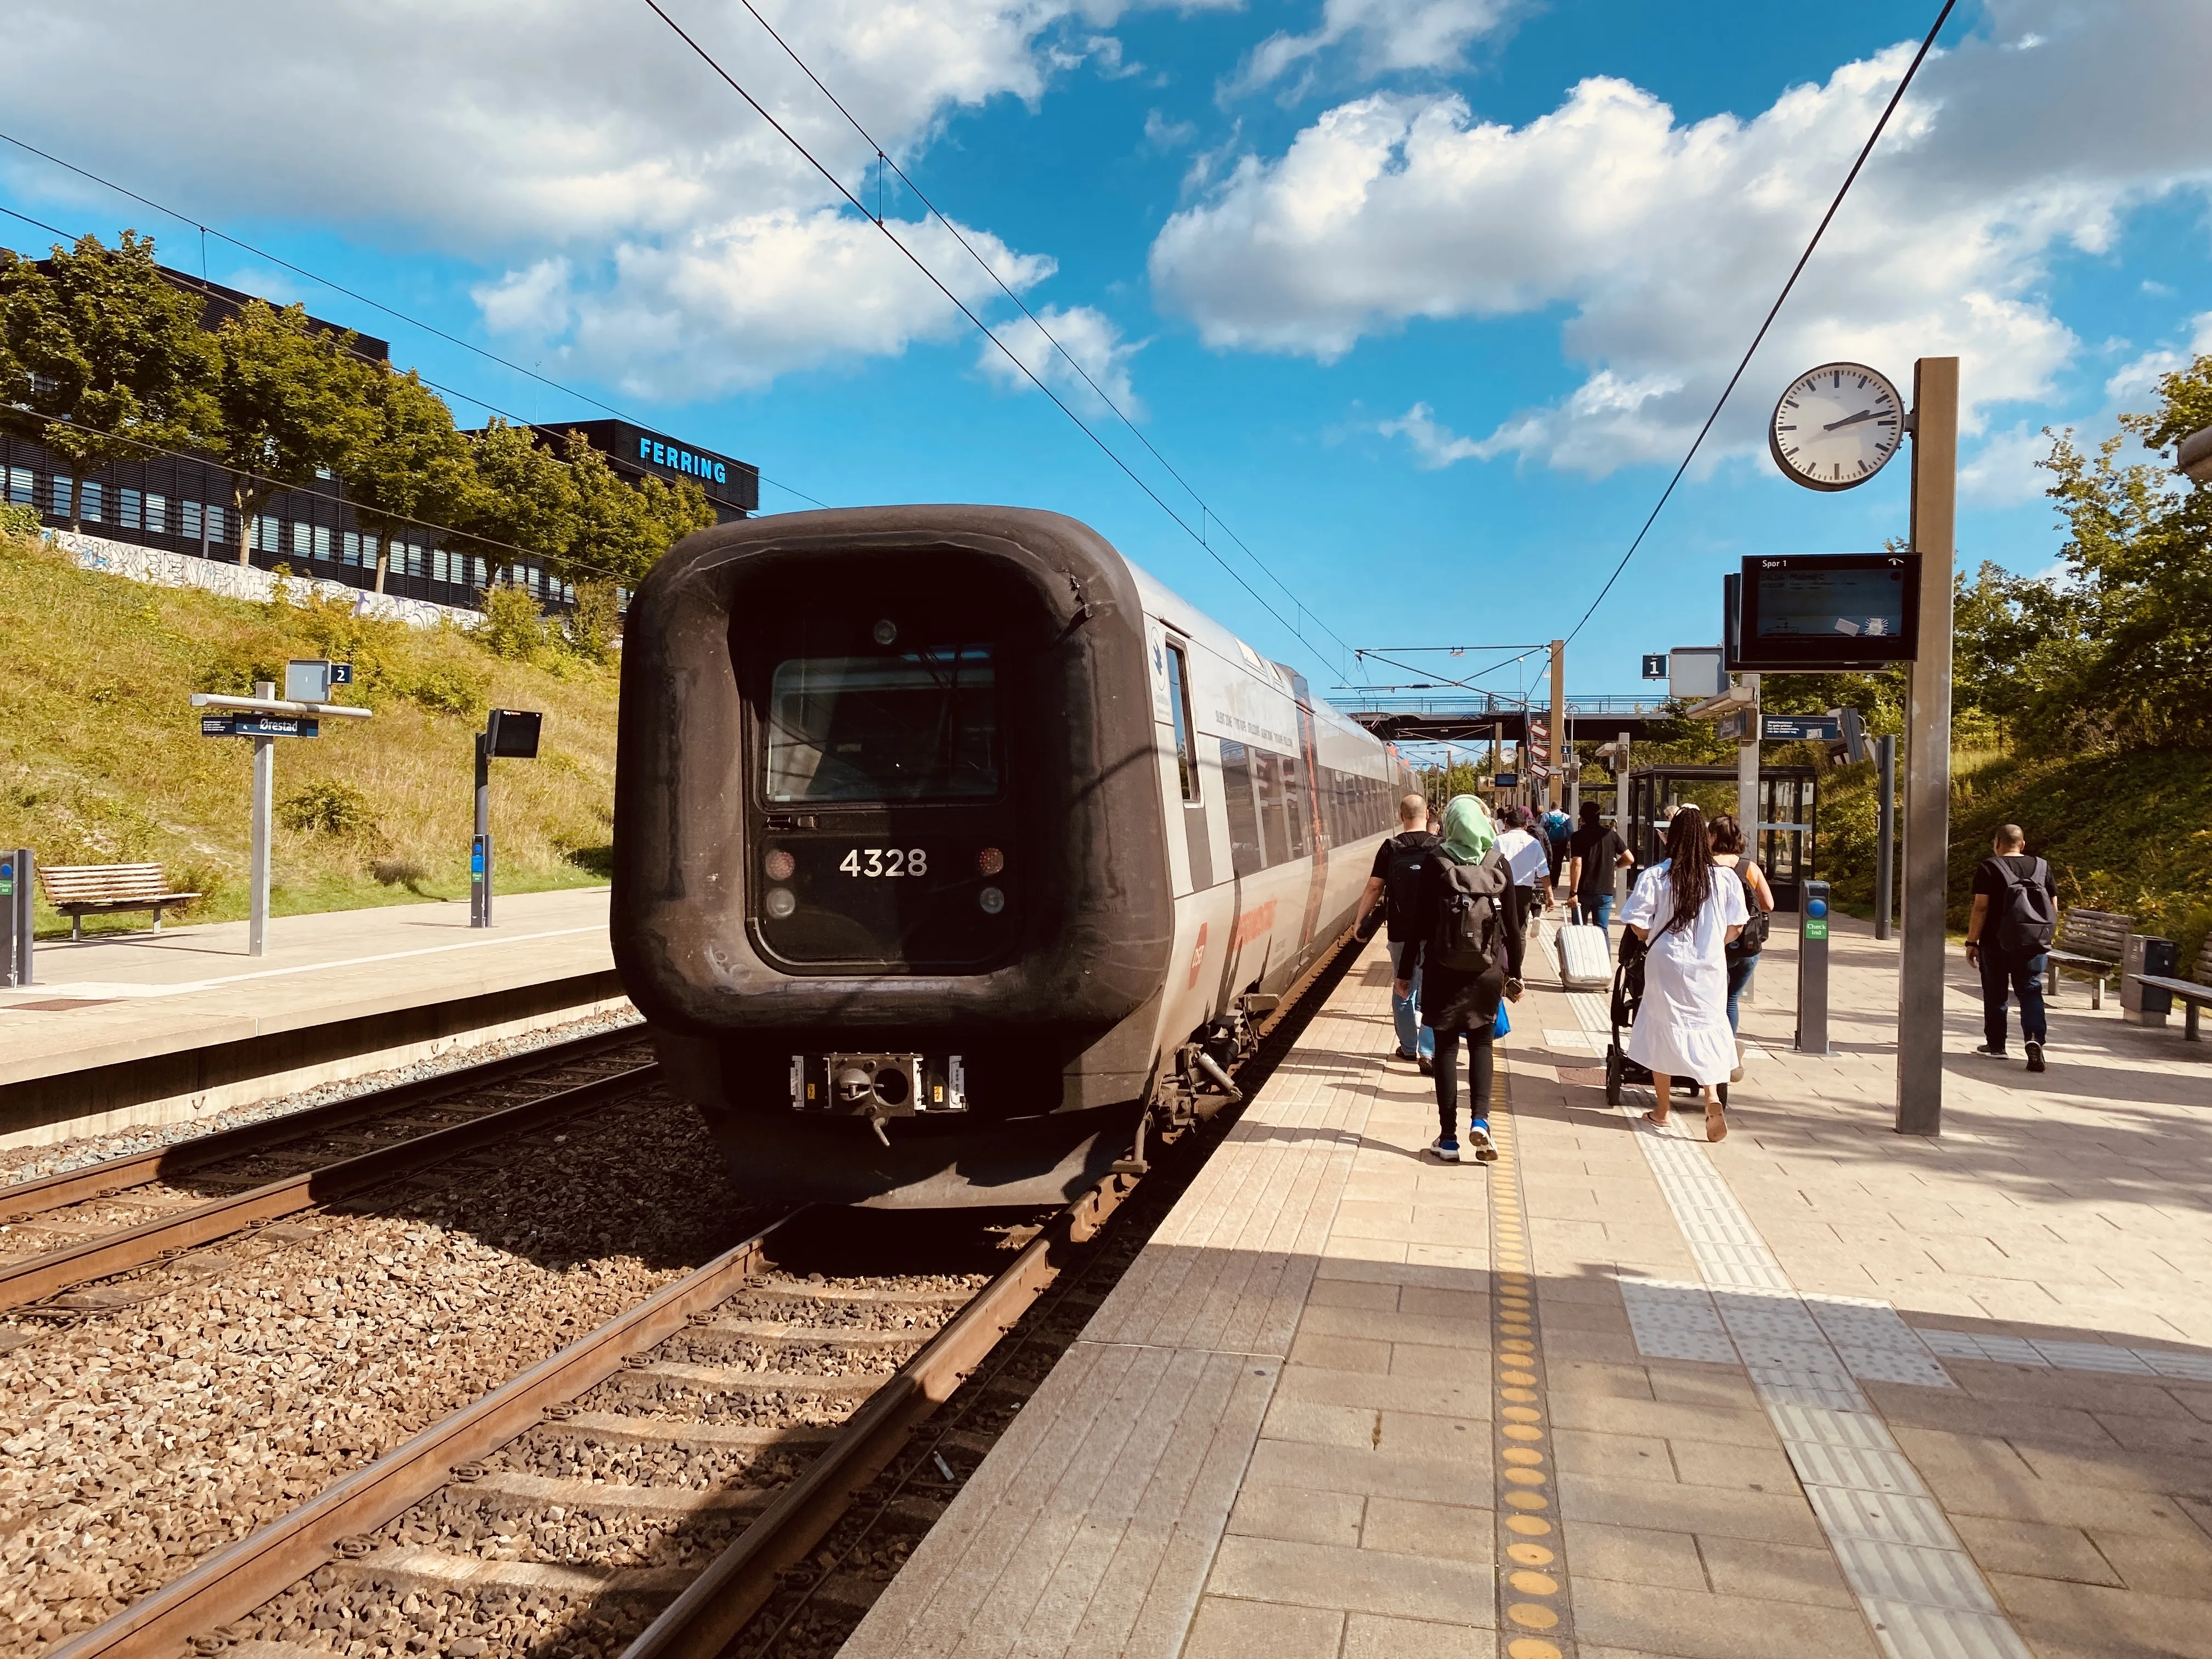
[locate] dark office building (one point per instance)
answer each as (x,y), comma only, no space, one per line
(185,506)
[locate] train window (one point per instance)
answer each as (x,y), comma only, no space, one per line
(1186,741)
(1247,855)
(921,726)
(1275,834)
(1298,815)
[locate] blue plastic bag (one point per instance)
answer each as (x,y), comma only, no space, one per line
(1500,1026)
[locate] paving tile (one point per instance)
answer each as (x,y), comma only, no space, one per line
(2034,1550)
(1636,1555)
(1670,1506)
(1466,1395)
(2170,1563)
(1340,1468)
(1354,1580)
(1263,1630)
(1709,1463)
(1367,1636)
(1774,1572)
(1699,1625)
(2087,1621)
(1297,1513)
(1629,1456)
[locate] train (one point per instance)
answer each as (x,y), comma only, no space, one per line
(951,850)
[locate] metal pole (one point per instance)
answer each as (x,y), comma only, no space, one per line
(1885,873)
(1927,756)
(1619,878)
(1557,780)
(264,794)
(480,844)
(1746,774)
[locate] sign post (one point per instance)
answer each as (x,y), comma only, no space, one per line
(1812,971)
(509,732)
(16,868)
(265,717)
(1885,872)
(1928,752)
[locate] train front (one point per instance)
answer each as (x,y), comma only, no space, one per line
(890,875)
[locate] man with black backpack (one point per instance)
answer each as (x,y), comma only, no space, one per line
(1390,888)
(2007,937)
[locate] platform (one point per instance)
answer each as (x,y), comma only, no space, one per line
(1820,1389)
(154,1027)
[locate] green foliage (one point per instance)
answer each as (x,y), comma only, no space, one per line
(102,341)
(16,519)
(590,625)
(409,463)
(513,624)
(327,807)
(290,400)
(448,688)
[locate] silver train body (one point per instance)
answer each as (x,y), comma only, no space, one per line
(950,845)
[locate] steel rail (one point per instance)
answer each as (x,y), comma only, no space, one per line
(226,1586)
(26,1199)
(42,1276)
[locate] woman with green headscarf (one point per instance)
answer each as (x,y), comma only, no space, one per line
(1469,957)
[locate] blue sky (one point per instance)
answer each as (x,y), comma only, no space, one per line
(1425,297)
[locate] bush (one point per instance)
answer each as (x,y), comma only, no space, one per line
(329,808)
(16,519)
(513,624)
(592,626)
(446,689)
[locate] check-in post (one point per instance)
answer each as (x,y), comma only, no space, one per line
(16,865)
(509,734)
(265,717)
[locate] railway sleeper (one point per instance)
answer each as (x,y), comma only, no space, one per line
(402,1568)
(667,1379)
(621,1429)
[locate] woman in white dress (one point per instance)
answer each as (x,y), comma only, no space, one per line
(1686,918)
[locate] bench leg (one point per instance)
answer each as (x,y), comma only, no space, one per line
(2097,992)
(77,929)
(2051,981)
(157,918)
(2188,1011)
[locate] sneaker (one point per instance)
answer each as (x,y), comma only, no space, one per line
(2035,1057)
(1445,1150)
(1428,1066)
(1478,1137)
(1401,1053)
(1988,1053)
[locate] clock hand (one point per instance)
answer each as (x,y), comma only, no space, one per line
(1851,420)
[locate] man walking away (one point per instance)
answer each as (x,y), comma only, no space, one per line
(1595,852)
(1526,855)
(1556,828)
(2009,939)
(1392,883)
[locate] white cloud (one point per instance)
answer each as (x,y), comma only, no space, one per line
(1666,241)
(521,138)
(2004,471)
(1162,134)
(1434,446)
(1389,34)
(1089,336)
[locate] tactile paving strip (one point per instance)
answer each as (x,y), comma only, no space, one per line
(2070,1356)
(1919,1588)
(1535,1617)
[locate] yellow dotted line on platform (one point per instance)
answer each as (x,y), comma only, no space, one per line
(1531,1597)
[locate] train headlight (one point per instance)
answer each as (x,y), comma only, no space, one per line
(781,903)
(886,631)
(779,864)
(992,900)
(990,861)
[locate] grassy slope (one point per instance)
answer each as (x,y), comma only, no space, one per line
(2131,833)
(100,759)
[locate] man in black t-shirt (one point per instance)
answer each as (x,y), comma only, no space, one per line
(2012,967)
(1397,870)
(1594,853)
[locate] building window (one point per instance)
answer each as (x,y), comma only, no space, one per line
(188,514)
(323,542)
(264,534)
(416,554)
(216,533)
(128,511)
(23,485)
(90,497)
(60,509)
(300,543)
(157,515)
(350,548)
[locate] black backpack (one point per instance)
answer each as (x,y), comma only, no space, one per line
(1401,878)
(2029,922)
(1757,925)
(1467,932)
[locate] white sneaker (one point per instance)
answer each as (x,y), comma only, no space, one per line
(1444,1150)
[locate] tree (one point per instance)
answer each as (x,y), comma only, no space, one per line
(623,529)
(409,465)
(294,403)
(102,340)
(520,496)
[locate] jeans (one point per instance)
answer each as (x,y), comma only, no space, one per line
(1739,970)
(2022,976)
(1413,1037)
(1480,1058)
(1596,913)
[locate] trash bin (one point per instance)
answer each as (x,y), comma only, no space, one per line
(2141,1004)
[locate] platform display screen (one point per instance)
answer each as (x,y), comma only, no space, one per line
(1826,610)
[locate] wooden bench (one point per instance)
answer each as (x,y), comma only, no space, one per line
(2194,993)
(2089,941)
(78,891)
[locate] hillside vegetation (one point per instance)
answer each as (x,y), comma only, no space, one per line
(101,760)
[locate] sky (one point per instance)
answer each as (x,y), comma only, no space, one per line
(1412,306)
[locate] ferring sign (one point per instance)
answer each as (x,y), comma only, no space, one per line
(658,451)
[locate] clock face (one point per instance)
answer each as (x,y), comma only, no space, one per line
(1836,427)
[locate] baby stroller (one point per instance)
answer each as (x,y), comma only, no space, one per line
(1627,997)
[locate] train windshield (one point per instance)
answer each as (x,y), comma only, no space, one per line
(919,726)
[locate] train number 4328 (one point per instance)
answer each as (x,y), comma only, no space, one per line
(886,861)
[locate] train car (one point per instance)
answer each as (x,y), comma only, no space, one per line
(949,846)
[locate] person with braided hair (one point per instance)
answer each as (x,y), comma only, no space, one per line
(1685,915)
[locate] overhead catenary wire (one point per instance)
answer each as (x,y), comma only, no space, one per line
(1775,310)
(205,230)
(982,327)
(1205,510)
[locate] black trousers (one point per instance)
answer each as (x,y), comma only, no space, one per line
(1480,1058)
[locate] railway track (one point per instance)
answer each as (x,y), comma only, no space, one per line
(125,1214)
(651,1488)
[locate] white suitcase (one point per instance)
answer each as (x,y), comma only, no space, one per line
(1585,962)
